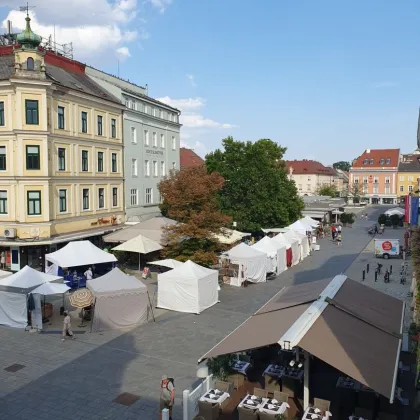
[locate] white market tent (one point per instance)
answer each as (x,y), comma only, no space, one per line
(252,264)
(276,254)
(140,244)
(188,288)
(300,227)
(169,263)
(304,243)
(79,253)
(13,297)
(121,301)
(230,236)
(293,240)
(51,289)
(396,210)
(311,222)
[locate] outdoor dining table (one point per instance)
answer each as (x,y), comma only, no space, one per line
(348,383)
(292,373)
(241,366)
(268,405)
(215,396)
(312,413)
(274,370)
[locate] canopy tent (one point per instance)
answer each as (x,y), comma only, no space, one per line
(276,254)
(27,278)
(291,237)
(51,289)
(396,210)
(252,264)
(188,288)
(230,236)
(79,253)
(282,241)
(140,244)
(353,327)
(169,263)
(304,243)
(311,222)
(301,227)
(121,301)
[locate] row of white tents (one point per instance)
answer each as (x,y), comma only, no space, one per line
(271,255)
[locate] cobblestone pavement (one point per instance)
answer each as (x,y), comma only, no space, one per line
(81,378)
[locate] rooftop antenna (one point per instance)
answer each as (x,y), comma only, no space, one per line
(118,73)
(9,27)
(26,8)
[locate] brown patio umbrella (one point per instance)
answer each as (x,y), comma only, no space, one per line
(81,298)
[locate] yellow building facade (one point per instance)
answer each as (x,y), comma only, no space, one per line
(61,151)
(408,175)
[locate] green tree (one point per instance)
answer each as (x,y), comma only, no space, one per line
(327,190)
(355,192)
(344,166)
(257,192)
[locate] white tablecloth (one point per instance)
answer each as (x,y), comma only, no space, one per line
(283,407)
(307,416)
(222,397)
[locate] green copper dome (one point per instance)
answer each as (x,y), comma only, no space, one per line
(27,39)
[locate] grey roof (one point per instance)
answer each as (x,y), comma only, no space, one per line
(149,98)
(61,77)
(409,163)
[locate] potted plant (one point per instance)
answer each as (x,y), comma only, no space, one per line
(350,219)
(395,220)
(382,219)
(221,366)
(344,218)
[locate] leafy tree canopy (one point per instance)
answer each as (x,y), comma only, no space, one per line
(257,192)
(190,196)
(327,190)
(344,166)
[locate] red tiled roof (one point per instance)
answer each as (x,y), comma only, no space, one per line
(377,158)
(189,158)
(310,167)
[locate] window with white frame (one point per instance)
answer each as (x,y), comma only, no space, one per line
(149,196)
(133,167)
(387,180)
(410,179)
(146,109)
(356,179)
(146,168)
(154,139)
(401,177)
(162,141)
(162,168)
(375,189)
(154,112)
(410,188)
(3,202)
(155,168)
(62,200)
(402,188)
(376,180)
(365,180)
(133,135)
(173,165)
(101,198)
(133,104)
(387,189)
(173,143)
(86,201)
(146,137)
(134,197)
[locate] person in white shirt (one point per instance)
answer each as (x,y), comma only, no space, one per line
(88,274)
(67,326)
(339,228)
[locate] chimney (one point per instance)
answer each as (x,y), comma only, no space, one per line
(9,27)
(147,89)
(368,151)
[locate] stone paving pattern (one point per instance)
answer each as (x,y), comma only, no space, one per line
(81,378)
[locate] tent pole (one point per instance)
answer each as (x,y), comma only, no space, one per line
(139,262)
(306,381)
(151,308)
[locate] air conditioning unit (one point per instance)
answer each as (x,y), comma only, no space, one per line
(10,233)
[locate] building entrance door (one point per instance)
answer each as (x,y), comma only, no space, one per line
(375,200)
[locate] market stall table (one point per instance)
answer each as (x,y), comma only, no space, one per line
(215,396)
(313,413)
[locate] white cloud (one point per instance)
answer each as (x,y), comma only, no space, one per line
(184,104)
(198,147)
(123,52)
(191,78)
(161,5)
(190,117)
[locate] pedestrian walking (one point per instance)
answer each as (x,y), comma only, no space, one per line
(333,232)
(67,326)
(2,260)
(339,238)
(386,276)
(167,395)
(339,228)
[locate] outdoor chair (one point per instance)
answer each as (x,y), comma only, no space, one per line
(363,413)
(323,405)
(267,416)
(271,383)
(237,380)
(258,392)
(224,386)
(281,396)
(208,410)
(247,413)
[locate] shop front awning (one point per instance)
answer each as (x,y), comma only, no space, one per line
(352,327)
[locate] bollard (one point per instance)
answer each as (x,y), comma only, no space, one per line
(363,275)
(376,275)
(367,268)
(390,269)
(165,414)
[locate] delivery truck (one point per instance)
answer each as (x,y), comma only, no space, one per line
(387,248)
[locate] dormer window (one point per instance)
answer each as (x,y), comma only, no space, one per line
(388,161)
(382,161)
(30,65)
(366,161)
(371,162)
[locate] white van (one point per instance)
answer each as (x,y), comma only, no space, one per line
(387,248)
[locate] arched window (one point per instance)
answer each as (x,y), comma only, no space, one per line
(30,64)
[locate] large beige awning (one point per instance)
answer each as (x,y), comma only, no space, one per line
(352,327)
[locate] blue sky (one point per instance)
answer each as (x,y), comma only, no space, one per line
(326,79)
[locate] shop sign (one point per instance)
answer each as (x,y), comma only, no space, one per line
(154,152)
